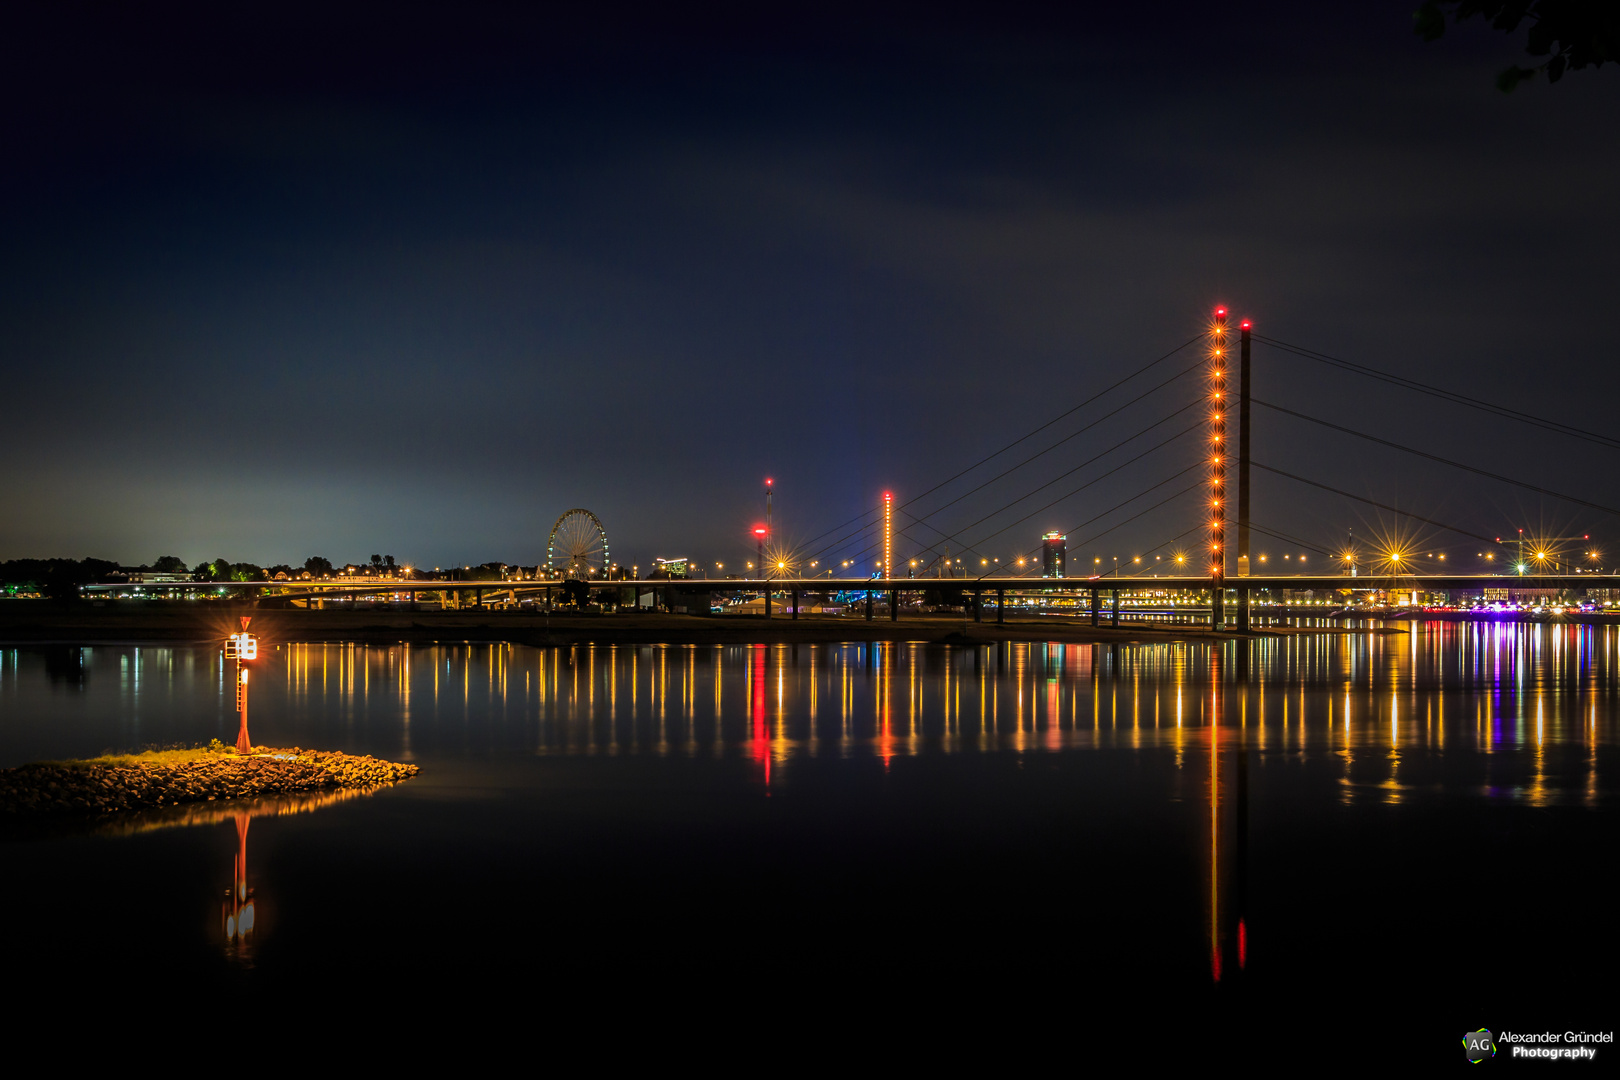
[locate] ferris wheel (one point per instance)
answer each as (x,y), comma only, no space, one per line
(578,546)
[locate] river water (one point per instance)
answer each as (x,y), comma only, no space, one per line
(1402,836)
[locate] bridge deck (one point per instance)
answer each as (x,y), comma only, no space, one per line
(988,584)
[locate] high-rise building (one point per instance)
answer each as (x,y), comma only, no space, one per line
(1055,549)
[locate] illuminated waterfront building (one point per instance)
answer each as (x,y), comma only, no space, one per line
(1054,552)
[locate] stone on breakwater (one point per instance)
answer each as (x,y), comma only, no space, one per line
(94,788)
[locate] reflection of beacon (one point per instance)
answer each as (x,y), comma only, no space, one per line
(237,910)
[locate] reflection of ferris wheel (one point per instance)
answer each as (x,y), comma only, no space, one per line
(578,546)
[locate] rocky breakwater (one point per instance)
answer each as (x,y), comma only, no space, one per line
(170,778)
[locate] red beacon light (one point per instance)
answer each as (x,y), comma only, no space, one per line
(760,531)
(1246,325)
(1220,313)
(767,481)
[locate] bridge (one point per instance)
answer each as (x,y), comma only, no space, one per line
(1220,572)
(1209,594)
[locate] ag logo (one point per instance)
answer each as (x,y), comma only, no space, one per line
(1480,1045)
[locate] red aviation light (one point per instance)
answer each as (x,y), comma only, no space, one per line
(1246,325)
(759,530)
(1220,313)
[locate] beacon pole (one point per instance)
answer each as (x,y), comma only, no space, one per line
(242,648)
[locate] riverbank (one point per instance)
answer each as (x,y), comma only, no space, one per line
(35,622)
(154,779)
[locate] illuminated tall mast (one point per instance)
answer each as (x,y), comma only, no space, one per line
(888,534)
(1245,331)
(1217,465)
(765,548)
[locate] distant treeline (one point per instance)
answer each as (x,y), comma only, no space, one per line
(58,578)
(61,578)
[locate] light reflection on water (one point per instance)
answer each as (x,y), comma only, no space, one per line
(1241,739)
(1386,706)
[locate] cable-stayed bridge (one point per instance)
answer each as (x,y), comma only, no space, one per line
(1153,449)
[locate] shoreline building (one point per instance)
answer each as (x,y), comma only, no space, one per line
(1054,553)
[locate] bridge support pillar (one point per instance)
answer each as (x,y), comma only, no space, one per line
(795,603)
(1243,609)
(1096,601)
(978,605)
(868,605)
(767,599)
(1113,604)
(1217,604)
(894,605)
(1001,605)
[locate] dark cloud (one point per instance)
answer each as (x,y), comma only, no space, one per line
(283,282)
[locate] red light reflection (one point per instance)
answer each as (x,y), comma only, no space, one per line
(760,743)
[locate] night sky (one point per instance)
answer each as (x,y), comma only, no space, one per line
(282,282)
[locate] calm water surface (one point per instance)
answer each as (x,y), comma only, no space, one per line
(1407,832)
